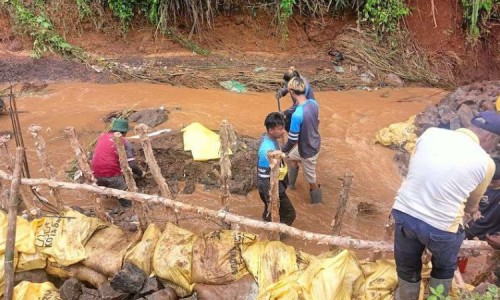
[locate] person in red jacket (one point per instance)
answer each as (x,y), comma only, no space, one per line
(106,163)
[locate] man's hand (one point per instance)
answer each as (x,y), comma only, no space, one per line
(494,240)
(472,216)
(278,95)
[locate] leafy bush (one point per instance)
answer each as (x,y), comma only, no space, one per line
(385,14)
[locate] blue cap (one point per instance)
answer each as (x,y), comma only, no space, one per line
(488,120)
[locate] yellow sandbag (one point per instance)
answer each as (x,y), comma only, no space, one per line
(173,256)
(203,143)
(399,134)
(336,278)
(31,261)
(217,257)
(269,262)
(141,254)
(36,291)
(2,271)
(64,238)
(106,249)
(25,234)
(381,279)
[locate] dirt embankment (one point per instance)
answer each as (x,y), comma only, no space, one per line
(244,42)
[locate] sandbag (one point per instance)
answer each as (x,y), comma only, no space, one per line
(36,291)
(173,256)
(78,271)
(337,278)
(244,288)
(106,249)
(401,134)
(141,254)
(64,238)
(269,261)
(381,279)
(29,262)
(2,270)
(217,257)
(25,234)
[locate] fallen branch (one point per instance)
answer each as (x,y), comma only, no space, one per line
(344,242)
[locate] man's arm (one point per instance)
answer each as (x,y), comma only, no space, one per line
(131,160)
(472,203)
(293,134)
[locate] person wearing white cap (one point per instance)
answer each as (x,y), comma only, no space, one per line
(448,173)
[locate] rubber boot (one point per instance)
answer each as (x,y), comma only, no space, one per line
(316,196)
(292,177)
(434,283)
(407,290)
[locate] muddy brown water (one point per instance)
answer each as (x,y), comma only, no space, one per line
(349,121)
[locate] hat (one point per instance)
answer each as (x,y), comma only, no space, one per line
(120,125)
(488,120)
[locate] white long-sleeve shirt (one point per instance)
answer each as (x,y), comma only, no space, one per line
(447,169)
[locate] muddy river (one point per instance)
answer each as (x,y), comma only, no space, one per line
(349,121)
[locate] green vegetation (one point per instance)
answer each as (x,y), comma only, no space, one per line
(285,12)
(492,293)
(476,15)
(384,15)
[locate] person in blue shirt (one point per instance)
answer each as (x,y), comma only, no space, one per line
(275,124)
(304,140)
(282,92)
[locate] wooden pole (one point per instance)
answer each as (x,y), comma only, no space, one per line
(41,152)
(344,242)
(344,197)
(11,225)
(274,159)
(84,166)
(227,137)
(25,192)
(129,178)
(142,130)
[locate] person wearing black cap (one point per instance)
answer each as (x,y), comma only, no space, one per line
(449,172)
(106,163)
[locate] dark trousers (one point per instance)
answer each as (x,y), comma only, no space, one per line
(412,236)
(116,182)
(287,211)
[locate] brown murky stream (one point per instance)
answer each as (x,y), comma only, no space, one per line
(349,121)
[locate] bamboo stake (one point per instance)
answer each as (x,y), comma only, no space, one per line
(274,159)
(41,152)
(226,137)
(11,225)
(344,242)
(129,178)
(143,130)
(344,197)
(25,191)
(84,166)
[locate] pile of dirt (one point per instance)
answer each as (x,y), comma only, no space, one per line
(178,165)
(454,111)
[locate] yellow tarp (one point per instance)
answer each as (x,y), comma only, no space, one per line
(203,143)
(399,134)
(31,261)
(335,278)
(25,234)
(64,238)
(269,262)
(141,254)
(36,291)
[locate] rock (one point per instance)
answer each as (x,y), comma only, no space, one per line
(151,285)
(89,294)
(455,123)
(260,70)
(465,115)
(88,297)
(38,276)
(393,80)
(189,188)
(71,289)
(241,289)
(339,69)
(366,78)
(165,294)
(106,292)
(129,279)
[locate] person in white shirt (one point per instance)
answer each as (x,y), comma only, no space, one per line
(448,173)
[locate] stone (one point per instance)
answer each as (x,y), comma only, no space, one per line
(165,294)
(106,292)
(151,285)
(71,289)
(129,279)
(38,276)
(89,294)
(465,115)
(393,80)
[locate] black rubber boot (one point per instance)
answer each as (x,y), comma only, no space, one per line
(316,196)
(407,290)
(292,177)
